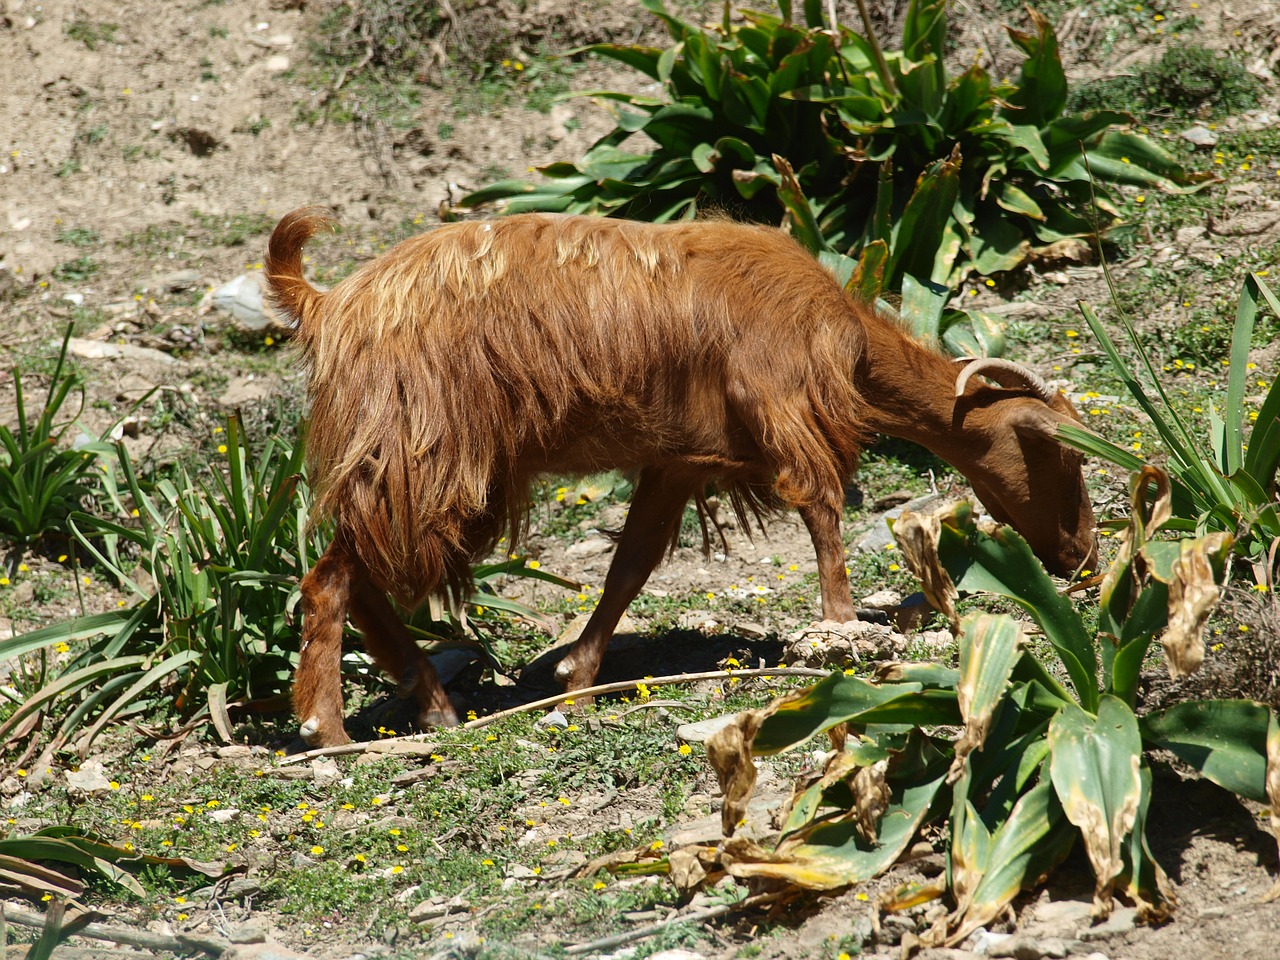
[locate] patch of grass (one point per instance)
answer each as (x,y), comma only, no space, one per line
(76,271)
(90,32)
(79,237)
(1188,80)
(234,230)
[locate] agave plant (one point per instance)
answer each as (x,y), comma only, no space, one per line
(213,564)
(43,478)
(1045,758)
(1226,481)
(951,173)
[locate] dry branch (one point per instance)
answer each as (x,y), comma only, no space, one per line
(617,687)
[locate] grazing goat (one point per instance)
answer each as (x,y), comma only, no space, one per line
(453,370)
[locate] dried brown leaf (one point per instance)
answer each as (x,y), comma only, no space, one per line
(1193,594)
(917,535)
(729,751)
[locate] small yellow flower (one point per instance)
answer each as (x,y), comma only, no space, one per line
(317,850)
(222,448)
(397,869)
(684,750)
(114,784)
(183,916)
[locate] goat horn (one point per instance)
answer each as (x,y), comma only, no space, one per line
(1007,374)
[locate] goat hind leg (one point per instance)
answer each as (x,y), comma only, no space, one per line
(317,683)
(398,654)
(656,509)
(823,522)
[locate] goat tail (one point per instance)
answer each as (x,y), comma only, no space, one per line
(286,284)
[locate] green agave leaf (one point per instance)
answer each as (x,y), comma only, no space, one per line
(1002,563)
(1041,88)
(1028,845)
(644,59)
(973,333)
(150,678)
(841,699)
(1130,158)
(989,648)
(1094,764)
(1146,883)
(918,232)
(832,855)
(803,223)
(1225,740)
(81,628)
(922,306)
(867,279)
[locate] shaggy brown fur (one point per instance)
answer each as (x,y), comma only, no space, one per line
(454,369)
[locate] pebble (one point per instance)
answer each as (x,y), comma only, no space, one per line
(704,730)
(1200,136)
(1121,921)
(592,547)
(242,299)
(1028,947)
(91,778)
(269,950)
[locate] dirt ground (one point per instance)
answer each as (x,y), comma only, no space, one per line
(137,133)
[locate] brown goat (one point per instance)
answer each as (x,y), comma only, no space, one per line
(450,372)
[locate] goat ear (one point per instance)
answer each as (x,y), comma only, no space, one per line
(1041,420)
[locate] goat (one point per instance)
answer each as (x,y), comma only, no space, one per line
(448,373)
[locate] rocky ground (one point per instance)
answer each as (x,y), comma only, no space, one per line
(149,146)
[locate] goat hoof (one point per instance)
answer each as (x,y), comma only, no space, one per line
(408,683)
(314,736)
(438,717)
(564,670)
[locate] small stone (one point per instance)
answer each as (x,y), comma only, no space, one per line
(703,730)
(1188,235)
(1200,136)
(224,815)
(178,280)
(325,770)
(677,953)
(250,931)
(270,950)
(553,719)
(234,751)
(1062,911)
(95,350)
(242,299)
(1026,947)
(593,547)
(1121,921)
(90,779)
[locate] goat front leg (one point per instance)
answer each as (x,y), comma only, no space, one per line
(656,510)
(317,683)
(823,521)
(398,654)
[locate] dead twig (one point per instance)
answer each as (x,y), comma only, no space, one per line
(129,936)
(617,687)
(648,930)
